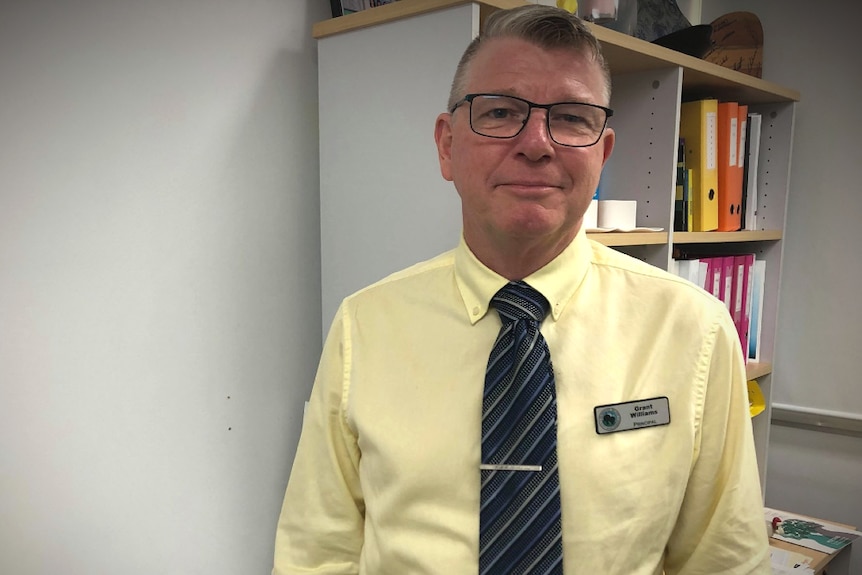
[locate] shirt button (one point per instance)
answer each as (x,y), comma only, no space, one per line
(476,310)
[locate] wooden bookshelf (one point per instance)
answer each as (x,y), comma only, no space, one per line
(726,237)
(756,370)
(629,238)
(656,238)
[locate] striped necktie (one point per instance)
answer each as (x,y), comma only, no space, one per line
(519,527)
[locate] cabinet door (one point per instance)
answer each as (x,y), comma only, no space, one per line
(643,164)
(383,203)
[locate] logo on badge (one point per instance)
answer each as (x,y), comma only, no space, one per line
(610,418)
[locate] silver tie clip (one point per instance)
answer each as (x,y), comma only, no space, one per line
(506,467)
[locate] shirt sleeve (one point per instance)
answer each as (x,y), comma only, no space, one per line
(720,528)
(320,529)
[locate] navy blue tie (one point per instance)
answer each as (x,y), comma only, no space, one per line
(519,523)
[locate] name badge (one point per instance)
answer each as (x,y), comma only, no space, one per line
(632,415)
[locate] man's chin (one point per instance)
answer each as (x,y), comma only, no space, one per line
(541,230)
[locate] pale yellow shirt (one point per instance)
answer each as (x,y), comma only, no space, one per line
(386,475)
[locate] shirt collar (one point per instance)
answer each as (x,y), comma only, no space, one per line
(557,281)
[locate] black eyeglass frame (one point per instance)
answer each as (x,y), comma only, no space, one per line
(530,105)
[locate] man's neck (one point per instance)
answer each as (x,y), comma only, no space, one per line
(517,258)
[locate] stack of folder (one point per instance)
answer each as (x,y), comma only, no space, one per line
(716,140)
(736,280)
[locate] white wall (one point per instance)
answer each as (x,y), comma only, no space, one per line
(813,47)
(159,280)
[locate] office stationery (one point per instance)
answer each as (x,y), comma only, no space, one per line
(726,288)
(729,176)
(682,205)
(758,271)
(742,157)
(741,148)
(698,127)
(701,273)
(688,269)
(750,168)
(713,276)
(788,562)
(741,297)
(682,216)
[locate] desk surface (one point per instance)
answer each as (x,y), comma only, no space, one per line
(819,560)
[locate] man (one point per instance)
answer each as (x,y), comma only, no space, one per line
(649,465)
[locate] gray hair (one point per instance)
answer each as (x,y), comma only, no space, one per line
(547,27)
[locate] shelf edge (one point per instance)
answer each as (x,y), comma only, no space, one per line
(612,239)
(756,370)
(726,237)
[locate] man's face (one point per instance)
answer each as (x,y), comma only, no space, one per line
(528,187)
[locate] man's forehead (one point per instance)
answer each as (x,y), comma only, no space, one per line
(514,54)
(506,64)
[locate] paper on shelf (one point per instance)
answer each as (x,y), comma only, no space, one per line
(604,230)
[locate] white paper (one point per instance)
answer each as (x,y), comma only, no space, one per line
(604,230)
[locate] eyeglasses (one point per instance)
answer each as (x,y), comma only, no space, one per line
(572,124)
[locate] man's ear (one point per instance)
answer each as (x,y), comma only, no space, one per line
(608,139)
(443,137)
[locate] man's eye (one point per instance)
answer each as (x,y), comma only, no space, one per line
(503,113)
(570,119)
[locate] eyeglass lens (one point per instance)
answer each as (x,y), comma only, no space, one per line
(505,117)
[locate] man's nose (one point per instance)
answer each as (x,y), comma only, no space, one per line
(535,137)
